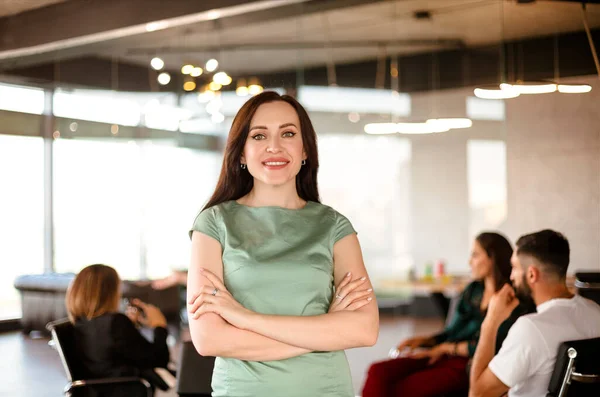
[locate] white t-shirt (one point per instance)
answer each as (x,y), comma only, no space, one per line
(526,359)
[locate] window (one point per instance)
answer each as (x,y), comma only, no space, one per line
(21,99)
(486,178)
(176,183)
(21,215)
(97,205)
(367,179)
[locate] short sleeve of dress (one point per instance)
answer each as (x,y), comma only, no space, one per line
(342,227)
(206,222)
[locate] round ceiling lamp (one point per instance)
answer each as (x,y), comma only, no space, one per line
(211,65)
(222,78)
(195,72)
(242,89)
(157,63)
(164,78)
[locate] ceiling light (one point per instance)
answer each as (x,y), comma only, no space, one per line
(255,89)
(420,128)
(405,128)
(222,78)
(197,71)
(157,63)
(212,65)
(214,86)
(451,123)
(164,78)
(189,86)
(354,117)
(213,14)
(528,88)
(381,128)
(495,92)
(574,88)
(242,91)
(187,69)
(154,26)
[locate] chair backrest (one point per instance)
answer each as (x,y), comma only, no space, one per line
(63,334)
(576,358)
(194,372)
(588,285)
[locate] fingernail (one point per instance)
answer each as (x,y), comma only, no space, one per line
(369,299)
(370,289)
(363,278)
(348,274)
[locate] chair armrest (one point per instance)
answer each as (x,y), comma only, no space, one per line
(108,381)
(585,378)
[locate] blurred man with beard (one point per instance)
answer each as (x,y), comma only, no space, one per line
(524,364)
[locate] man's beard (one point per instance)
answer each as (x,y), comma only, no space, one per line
(523,291)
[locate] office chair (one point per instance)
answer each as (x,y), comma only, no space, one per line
(588,285)
(577,369)
(64,341)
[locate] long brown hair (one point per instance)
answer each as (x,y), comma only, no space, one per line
(499,250)
(94,292)
(234,182)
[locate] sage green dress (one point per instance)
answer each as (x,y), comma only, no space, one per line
(279,261)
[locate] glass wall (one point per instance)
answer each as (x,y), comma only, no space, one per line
(21,215)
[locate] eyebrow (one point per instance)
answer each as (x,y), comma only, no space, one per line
(262,127)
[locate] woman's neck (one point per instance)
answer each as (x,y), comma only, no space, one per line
(489,284)
(284,196)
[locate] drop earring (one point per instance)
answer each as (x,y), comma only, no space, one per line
(243,166)
(303,162)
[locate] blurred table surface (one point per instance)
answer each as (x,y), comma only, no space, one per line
(447,285)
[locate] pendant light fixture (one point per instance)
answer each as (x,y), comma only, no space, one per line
(430,126)
(574,88)
(495,91)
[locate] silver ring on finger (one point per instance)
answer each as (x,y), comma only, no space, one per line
(338,297)
(214,293)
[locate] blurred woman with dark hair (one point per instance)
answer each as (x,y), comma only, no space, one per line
(108,342)
(441,367)
(266,255)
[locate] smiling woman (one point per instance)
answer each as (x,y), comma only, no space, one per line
(266,255)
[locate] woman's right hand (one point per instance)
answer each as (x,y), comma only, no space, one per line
(348,296)
(413,343)
(152,317)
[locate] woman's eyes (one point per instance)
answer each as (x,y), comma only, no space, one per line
(260,137)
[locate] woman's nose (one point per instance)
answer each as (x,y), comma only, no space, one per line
(274,145)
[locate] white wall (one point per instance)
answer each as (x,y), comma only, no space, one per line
(553,150)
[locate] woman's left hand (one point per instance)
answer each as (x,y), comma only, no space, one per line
(218,300)
(435,353)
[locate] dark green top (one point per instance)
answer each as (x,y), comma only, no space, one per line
(279,261)
(467,318)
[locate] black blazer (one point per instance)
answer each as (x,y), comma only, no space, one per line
(110,345)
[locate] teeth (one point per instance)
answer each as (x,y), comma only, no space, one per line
(275,163)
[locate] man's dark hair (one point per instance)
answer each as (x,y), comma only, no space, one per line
(549,248)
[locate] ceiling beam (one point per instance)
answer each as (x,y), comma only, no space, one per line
(305,45)
(77,28)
